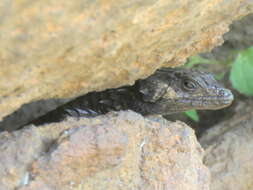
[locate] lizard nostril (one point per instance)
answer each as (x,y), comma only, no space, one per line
(227,94)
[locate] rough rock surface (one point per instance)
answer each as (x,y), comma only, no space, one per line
(239,37)
(115,151)
(229,150)
(60,48)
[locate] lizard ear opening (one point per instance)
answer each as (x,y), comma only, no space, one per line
(152,90)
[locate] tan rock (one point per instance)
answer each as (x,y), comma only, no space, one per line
(239,37)
(64,49)
(229,151)
(115,151)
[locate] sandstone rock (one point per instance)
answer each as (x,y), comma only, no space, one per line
(239,37)
(229,151)
(53,49)
(115,151)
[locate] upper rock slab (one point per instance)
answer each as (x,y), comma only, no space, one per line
(64,48)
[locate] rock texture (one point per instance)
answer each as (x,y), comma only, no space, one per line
(116,151)
(53,49)
(239,37)
(229,150)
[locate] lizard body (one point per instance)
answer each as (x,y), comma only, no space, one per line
(166,91)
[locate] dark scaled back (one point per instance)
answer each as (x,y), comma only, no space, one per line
(166,91)
(93,104)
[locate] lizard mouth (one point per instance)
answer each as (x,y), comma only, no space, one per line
(225,98)
(217,102)
(214,102)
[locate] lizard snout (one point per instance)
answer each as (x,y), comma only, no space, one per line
(226,96)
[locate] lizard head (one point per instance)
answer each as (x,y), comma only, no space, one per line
(176,90)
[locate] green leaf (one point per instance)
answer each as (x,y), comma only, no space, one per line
(241,75)
(194,60)
(219,76)
(192,114)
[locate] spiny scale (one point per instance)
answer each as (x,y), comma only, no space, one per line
(93,104)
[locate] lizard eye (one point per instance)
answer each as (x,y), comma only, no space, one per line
(189,85)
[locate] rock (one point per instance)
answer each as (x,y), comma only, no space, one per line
(229,152)
(115,151)
(239,37)
(52,49)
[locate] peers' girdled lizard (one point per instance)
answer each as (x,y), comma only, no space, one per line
(166,91)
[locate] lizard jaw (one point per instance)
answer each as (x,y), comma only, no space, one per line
(217,101)
(220,100)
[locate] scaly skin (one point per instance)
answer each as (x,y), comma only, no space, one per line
(166,91)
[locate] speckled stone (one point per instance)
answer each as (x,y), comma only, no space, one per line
(115,151)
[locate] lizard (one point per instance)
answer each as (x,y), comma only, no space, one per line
(165,92)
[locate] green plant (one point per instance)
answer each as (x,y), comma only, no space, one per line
(241,75)
(196,60)
(192,114)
